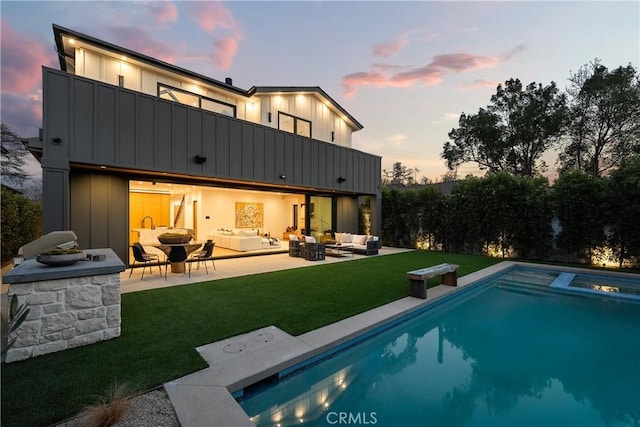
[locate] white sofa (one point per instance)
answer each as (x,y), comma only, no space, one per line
(367,245)
(237,240)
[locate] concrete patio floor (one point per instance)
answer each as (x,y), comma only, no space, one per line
(229,267)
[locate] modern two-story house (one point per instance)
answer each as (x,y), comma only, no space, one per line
(130,142)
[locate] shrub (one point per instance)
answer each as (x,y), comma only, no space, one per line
(21,222)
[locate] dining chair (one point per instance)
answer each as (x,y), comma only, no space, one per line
(140,255)
(204,255)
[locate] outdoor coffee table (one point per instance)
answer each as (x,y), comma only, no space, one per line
(339,249)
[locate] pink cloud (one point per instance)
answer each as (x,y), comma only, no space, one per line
(212,15)
(388,48)
(430,74)
(138,40)
(22,59)
(164,11)
(352,81)
(22,113)
(224,50)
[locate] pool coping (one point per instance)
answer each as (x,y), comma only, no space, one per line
(208,397)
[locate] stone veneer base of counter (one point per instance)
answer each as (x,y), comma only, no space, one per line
(70,306)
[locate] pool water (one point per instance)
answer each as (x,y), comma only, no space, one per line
(494,356)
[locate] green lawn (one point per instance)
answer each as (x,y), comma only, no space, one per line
(161,328)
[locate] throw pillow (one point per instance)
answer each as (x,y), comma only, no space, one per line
(359,239)
(346,238)
(309,239)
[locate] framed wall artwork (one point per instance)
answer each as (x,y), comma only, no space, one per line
(249,215)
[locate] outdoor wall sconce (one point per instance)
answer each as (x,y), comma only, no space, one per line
(269,116)
(57,140)
(200,159)
(333,136)
(283,176)
(341,179)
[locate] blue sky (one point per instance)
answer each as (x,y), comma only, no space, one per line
(405,70)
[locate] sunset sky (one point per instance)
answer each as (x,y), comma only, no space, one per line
(405,70)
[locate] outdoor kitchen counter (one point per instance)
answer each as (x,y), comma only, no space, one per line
(31,270)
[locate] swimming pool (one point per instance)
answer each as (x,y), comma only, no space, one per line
(499,354)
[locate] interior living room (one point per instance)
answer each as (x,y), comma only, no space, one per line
(239,221)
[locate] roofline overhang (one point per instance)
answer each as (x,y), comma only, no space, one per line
(308,89)
(59,31)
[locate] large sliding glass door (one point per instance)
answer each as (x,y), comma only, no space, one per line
(321,217)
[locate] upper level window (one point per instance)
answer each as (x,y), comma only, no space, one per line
(294,124)
(195,100)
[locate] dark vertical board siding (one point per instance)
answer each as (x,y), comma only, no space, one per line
(84,120)
(103,124)
(337,168)
(293,169)
(247,155)
(179,138)
(99,218)
(59,117)
(361,179)
(283,165)
(235,149)
(222,146)
(270,167)
(146,133)
(106,129)
(194,143)
(119,217)
(80,208)
(258,154)
(209,144)
(350,164)
(162,150)
(306,161)
(315,161)
(322,165)
(126,148)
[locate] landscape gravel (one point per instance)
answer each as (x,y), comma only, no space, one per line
(152,409)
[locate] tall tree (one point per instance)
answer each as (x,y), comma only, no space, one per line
(605,119)
(399,174)
(13,156)
(512,133)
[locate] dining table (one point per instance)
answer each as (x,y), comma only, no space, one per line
(177,254)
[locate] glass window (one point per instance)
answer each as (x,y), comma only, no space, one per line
(303,128)
(194,100)
(217,107)
(294,125)
(320,217)
(286,123)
